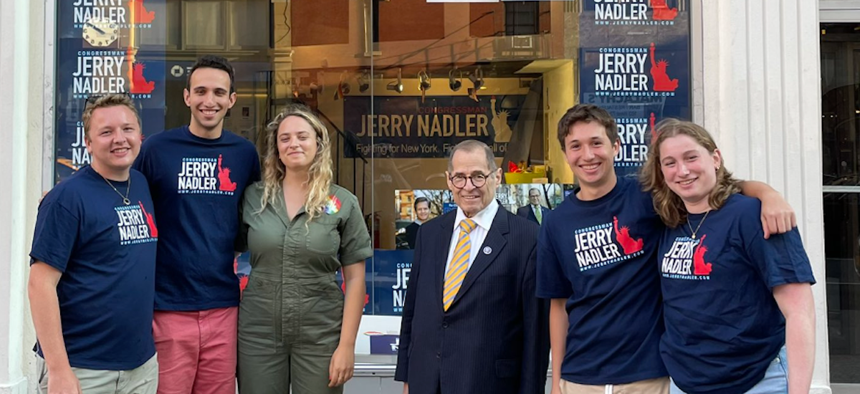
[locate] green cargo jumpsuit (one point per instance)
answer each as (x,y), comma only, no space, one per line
(292,308)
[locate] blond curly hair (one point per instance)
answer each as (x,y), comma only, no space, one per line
(319,174)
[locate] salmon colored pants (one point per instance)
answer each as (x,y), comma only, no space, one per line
(196,351)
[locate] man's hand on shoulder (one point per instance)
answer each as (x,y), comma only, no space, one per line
(777,216)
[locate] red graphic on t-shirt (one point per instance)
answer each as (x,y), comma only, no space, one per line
(140,12)
(139,84)
(662,83)
(243,279)
(224,182)
(700,267)
(150,222)
(627,242)
(662,12)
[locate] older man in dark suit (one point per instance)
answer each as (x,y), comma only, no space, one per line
(534,211)
(471,321)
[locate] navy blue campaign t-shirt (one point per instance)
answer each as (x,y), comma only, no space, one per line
(723,326)
(106,252)
(197,187)
(600,255)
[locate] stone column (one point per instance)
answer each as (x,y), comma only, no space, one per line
(22,109)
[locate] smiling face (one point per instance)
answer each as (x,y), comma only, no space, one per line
(297,143)
(591,156)
(534,197)
(209,98)
(689,170)
(113,141)
(471,163)
(422,211)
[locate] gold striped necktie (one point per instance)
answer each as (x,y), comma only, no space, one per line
(459,264)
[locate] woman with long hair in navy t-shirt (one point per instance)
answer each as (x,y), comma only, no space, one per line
(738,307)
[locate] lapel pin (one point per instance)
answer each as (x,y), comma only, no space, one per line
(488,250)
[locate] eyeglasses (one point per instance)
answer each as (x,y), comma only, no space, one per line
(478,180)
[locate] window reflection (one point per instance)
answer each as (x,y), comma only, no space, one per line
(840,83)
(842,248)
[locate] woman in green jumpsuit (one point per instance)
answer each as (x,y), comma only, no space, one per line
(297,330)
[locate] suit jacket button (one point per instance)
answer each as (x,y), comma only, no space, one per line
(444,325)
(438,354)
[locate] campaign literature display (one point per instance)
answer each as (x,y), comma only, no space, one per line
(635,63)
(101,50)
(406,127)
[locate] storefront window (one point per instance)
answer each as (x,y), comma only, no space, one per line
(398,83)
(840,87)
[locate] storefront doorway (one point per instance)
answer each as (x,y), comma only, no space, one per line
(840,84)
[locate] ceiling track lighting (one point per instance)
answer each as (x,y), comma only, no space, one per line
(363,80)
(342,86)
(423,83)
(453,83)
(398,85)
(477,79)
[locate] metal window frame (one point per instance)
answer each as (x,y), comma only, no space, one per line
(837,11)
(49,72)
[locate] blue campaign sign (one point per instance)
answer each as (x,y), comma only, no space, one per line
(384,344)
(635,63)
(102,48)
(633,13)
(406,127)
(390,277)
(386,276)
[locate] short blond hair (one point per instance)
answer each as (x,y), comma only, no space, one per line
(109,100)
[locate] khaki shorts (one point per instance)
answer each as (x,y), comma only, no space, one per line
(141,380)
(650,386)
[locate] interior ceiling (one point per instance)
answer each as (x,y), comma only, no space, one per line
(498,69)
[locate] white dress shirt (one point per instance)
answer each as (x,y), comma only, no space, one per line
(484,220)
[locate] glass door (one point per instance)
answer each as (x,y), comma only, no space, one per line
(840,83)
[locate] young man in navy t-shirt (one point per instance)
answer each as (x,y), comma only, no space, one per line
(197,174)
(597,262)
(93,265)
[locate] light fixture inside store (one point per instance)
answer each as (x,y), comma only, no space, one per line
(363,81)
(396,86)
(423,83)
(453,83)
(477,79)
(342,86)
(423,80)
